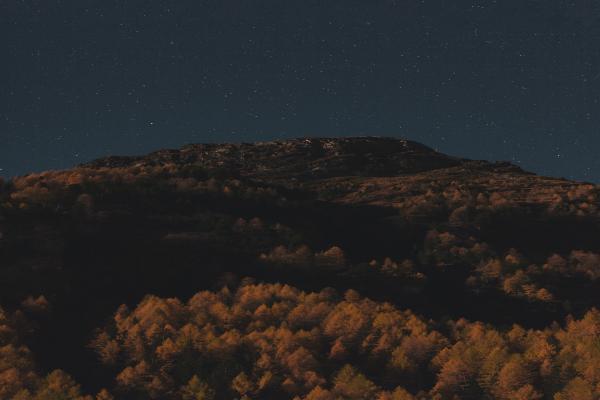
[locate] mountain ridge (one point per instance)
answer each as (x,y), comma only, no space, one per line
(365,170)
(363,156)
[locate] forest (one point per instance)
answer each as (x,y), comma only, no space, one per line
(307,269)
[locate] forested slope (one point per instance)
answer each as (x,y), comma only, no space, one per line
(357,268)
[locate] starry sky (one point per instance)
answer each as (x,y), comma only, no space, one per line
(515,80)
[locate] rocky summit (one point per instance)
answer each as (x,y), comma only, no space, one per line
(303,159)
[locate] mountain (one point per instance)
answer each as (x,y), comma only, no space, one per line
(317,268)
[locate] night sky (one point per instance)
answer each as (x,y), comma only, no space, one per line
(512,80)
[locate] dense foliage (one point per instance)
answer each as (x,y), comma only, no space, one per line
(19,378)
(275,341)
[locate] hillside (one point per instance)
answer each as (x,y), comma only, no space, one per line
(349,268)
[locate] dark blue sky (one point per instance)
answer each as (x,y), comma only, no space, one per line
(513,80)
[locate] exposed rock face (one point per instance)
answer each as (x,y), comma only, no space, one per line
(304,159)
